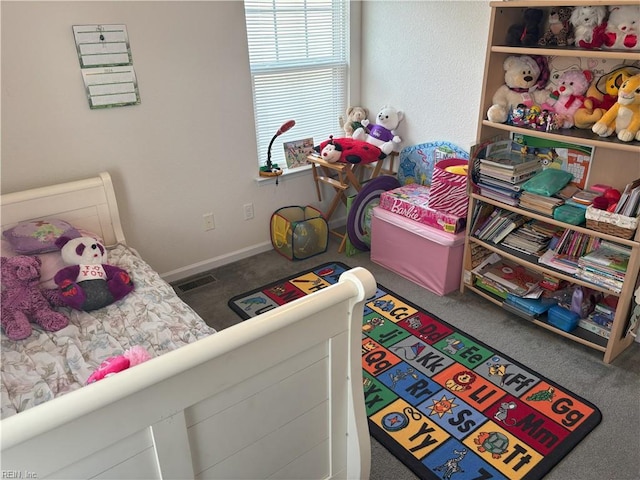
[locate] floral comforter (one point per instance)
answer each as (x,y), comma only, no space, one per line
(49,364)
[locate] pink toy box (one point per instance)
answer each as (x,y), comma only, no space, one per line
(412,201)
(420,253)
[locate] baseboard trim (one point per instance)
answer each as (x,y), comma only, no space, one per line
(205,265)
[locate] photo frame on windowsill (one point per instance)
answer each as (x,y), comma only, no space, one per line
(296,152)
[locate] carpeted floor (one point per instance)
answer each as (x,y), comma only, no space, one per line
(610,452)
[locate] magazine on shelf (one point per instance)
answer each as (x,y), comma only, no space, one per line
(573,158)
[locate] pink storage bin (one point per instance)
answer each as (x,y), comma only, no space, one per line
(425,255)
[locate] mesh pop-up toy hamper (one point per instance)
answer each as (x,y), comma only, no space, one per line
(299,232)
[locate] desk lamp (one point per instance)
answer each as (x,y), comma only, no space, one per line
(272,169)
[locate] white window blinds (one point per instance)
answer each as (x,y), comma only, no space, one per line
(298,54)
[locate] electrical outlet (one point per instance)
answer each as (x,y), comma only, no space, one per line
(248,211)
(207,221)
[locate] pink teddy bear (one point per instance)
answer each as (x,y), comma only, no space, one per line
(569,96)
(23,300)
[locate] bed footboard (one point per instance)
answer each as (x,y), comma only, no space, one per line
(277,396)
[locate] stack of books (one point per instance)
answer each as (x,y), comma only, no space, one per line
(539,203)
(531,238)
(605,266)
(510,278)
(566,254)
(499,225)
(504,169)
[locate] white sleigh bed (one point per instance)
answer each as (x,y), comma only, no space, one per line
(277,396)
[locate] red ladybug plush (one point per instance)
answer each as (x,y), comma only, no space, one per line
(348,150)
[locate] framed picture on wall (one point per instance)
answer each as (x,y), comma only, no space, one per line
(296,152)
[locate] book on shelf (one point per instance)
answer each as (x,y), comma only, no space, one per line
(510,156)
(570,157)
(514,278)
(591,326)
(527,240)
(609,255)
(484,180)
(624,197)
(510,177)
(482,215)
(539,203)
(509,225)
(500,197)
(552,259)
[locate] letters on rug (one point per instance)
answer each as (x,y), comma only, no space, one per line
(445,404)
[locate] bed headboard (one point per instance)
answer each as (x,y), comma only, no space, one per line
(88,204)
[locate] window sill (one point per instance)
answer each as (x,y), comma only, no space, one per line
(295,172)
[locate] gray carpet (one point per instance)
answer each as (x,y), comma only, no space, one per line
(610,452)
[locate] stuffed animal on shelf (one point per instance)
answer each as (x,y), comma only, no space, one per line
(382,134)
(569,96)
(621,30)
(558,30)
(23,301)
(89,282)
(525,77)
(624,117)
(355,116)
(602,95)
(587,22)
(349,150)
(527,32)
(112,365)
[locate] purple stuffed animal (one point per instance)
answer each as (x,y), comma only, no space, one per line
(24,301)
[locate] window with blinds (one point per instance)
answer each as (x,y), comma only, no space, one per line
(298,52)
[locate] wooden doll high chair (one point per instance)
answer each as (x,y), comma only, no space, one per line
(341,176)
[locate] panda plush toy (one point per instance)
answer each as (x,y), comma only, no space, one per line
(89,282)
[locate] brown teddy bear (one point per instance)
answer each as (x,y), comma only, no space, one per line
(23,300)
(355,116)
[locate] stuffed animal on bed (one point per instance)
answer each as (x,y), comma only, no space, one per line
(23,301)
(112,365)
(89,282)
(382,133)
(349,150)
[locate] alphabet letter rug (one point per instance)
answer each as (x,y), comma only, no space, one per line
(445,404)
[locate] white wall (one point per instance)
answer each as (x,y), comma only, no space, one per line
(426,58)
(189,147)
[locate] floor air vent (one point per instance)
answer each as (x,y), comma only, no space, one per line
(195,283)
